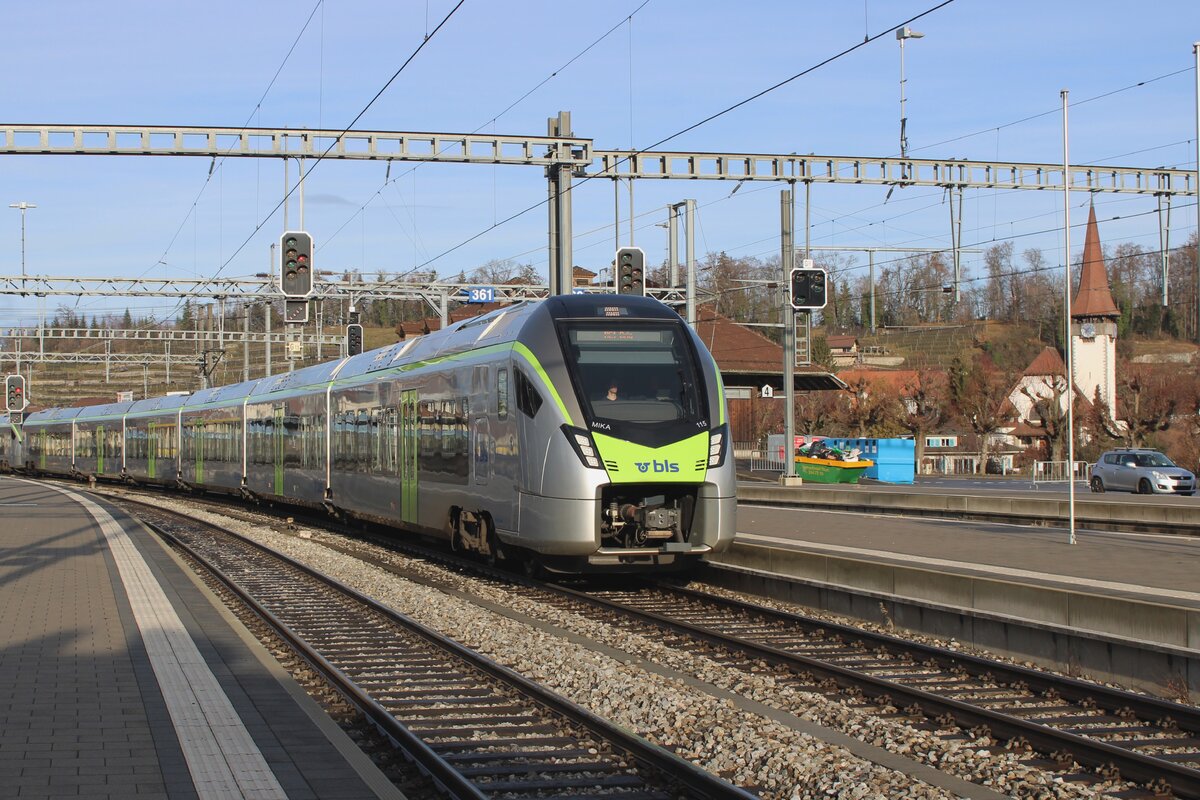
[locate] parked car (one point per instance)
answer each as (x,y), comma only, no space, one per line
(1142,471)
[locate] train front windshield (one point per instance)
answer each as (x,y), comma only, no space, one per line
(636,373)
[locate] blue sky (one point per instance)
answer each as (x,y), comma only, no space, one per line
(980,67)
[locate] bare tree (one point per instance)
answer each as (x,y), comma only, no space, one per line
(1147,400)
(981,401)
(923,404)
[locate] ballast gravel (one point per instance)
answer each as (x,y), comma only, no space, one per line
(746,749)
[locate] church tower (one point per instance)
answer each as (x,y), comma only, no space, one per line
(1094,318)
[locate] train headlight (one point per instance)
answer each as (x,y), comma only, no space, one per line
(583,446)
(718,442)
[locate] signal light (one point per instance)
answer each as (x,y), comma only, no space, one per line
(354,339)
(14,392)
(296,272)
(631,271)
(807,289)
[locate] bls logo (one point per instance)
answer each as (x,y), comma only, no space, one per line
(657,466)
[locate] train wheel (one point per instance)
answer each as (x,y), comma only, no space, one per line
(455,526)
(493,553)
(531,565)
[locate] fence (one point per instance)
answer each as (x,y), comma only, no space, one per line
(1056,471)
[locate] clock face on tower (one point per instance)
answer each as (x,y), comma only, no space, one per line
(1087,330)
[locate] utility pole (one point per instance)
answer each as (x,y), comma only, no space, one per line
(1070,345)
(787,212)
(1196,185)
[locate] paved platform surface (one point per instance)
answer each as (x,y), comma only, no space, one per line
(1130,566)
(120,676)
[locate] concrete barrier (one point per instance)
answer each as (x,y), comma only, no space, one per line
(995,507)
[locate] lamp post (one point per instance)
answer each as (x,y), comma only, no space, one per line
(22,206)
(902,34)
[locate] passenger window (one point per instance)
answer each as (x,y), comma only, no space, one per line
(528,398)
(502,393)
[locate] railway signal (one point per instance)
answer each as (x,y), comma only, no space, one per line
(296,271)
(807,289)
(354,339)
(631,271)
(14,393)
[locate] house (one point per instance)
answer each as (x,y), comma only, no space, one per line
(844,349)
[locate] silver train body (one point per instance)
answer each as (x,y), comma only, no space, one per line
(496,433)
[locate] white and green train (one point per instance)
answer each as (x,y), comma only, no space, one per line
(500,433)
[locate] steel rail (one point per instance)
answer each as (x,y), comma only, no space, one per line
(695,780)
(1089,752)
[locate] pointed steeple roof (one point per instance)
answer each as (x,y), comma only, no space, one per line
(1094,298)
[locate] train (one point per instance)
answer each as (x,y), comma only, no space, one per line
(577,434)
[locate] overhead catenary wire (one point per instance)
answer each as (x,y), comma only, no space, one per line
(691,127)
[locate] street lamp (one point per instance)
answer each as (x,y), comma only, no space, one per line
(22,206)
(902,34)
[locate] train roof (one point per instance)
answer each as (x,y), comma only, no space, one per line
(103,411)
(494,327)
(315,375)
(222,394)
(53,415)
(152,404)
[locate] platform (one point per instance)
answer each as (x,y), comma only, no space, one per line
(121,675)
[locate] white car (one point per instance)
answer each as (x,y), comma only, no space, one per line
(1141,471)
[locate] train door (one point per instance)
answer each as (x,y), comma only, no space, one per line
(99,436)
(198,449)
(151,449)
(42,449)
(277,443)
(408,456)
(482,441)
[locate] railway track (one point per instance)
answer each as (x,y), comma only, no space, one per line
(1064,722)
(478,729)
(1149,741)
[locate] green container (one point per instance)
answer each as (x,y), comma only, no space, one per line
(827,470)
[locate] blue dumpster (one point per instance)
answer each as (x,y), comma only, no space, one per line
(894,458)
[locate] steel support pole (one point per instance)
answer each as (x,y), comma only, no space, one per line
(956,239)
(787,211)
(1070,344)
(1196,184)
(267,329)
(673,244)
(566,255)
(690,222)
(1164,242)
(631,215)
(285,185)
(616,214)
(245,342)
(871,261)
(559,208)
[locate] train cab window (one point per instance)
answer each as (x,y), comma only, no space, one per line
(529,400)
(636,372)
(502,393)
